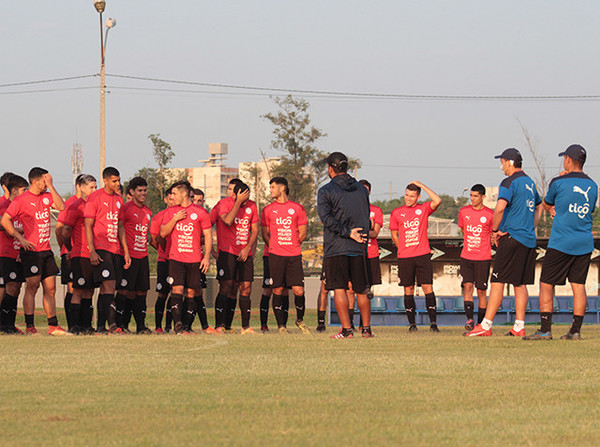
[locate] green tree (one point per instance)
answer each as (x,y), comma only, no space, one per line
(302,162)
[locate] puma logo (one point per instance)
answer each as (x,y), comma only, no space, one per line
(530,188)
(581,191)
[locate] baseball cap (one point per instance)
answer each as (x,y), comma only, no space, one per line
(510,154)
(576,152)
(337,160)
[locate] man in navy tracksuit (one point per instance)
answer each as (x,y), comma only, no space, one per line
(343,207)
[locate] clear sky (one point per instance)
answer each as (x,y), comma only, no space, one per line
(481,48)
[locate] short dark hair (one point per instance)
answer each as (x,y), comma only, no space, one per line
(240,187)
(281,181)
(36,173)
(136,182)
(78,179)
(478,188)
(413,187)
(365,183)
(5,177)
(198,192)
(85,179)
(169,190)
(338,162)
(16,181)
(110,172)
(235,181)
(182,184)
(518,164)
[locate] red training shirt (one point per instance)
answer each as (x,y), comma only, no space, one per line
(136,220)
(104,209)
(9,246)
(155,225)
(283,220)
(74,218)
(186,237)
(376,217)
(234,238)
(33,211)
(477,231)
(411,224)
(61,216)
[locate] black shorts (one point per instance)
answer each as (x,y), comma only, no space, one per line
(267,280)
(38,263)
(11,271)
(162,277)
(341,270)
(65,270)
(286,271)
(83,273)
(137,277)
(119,272)
(108,269)
(514,263)
(559,266)
(187,274)
(476,272)
(374,269)
(229,268)
(418,267)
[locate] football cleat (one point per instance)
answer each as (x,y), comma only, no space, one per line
(412,328)
(143,331)
(539,335)
(341,335)
(209,330)
(366,332)
(433,327)
(57,330)
(513,333)
(283,330)
(300,325)
(247,331)
(321,328)
(264,329)
(159,330)
(469,325)
(571,336)
(31,331)
(479,331)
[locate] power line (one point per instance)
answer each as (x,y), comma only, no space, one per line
(43,81)
(23,92)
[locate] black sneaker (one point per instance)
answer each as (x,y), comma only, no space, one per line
(433,328)
(366,332)
(412,328)
(470,325)
(321,328)
(571,336)
(143,331)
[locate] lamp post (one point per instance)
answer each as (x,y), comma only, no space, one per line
(100,5)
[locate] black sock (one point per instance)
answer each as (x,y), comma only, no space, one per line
(75,319)
(278,310)
(481,314)
(351,315)
(53,321)
(159,311)
(546,320)
(409,306)
(469,307)
(230,312)
(105,300)
(286,308)
(190,311)
(347,331)
(29,320)
(177,310)
(139,311)
(321,316)
(245,310)
(431,307)
(300,303)
(201,310)
(169,316)
(220,303)
(264,310)
(13,305)
(3,316)
(577,322)
(121,303)
(68,298)
(111,311)
(87,313)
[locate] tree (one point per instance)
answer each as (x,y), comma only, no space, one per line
(163,154)
(302,163)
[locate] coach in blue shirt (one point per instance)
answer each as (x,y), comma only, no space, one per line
(516,215)
(571,199)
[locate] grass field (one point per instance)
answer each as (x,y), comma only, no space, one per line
(395,389)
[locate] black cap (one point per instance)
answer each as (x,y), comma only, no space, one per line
(338,161)
(576,152)
(510,154)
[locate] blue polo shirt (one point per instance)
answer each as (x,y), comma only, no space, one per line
(521,197)
(574,197)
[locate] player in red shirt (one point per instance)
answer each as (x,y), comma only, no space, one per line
(73,235)
(162,266)
(186,224)
(134,221)
(32,210)
(408,225)
(283,229)
(66,277)
(475,220)
(4,202)
(105,240)
(11,270)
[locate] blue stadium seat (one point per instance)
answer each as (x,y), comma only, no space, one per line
(512,305)
(459,304)
(378,304)
(400,304)
(439,306)
(598,304)
(556,306)
(570,306)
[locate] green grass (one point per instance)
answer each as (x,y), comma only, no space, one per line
(395,389)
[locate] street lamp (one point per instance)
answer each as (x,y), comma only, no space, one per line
(100,5)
